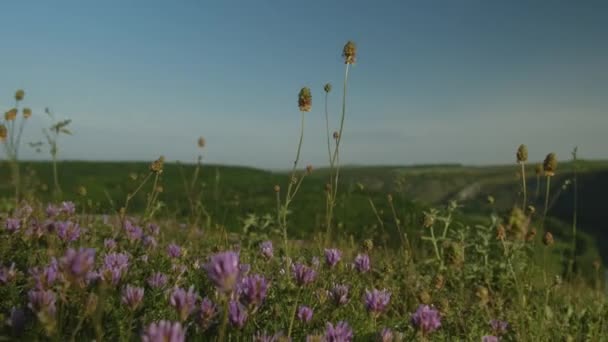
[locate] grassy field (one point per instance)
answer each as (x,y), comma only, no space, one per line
(157,251)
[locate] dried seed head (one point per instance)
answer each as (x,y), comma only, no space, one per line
(429,220)
(327,187)
(157,165)
(27,112)
(305,100)
(522,154)
(550,165)
(539,169)
(19,95)
(327,87)
(483,295)
(11,115)
(531,209)
(531,235)
(201,142)
(349,53)
(501,234)
(389,197)
(424,297)
(308,169)
(160,189)
(368,245)
(548,239)
(439,282)
(3,133)
(277,188)
(336,135)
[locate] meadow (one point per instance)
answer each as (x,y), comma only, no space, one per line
(158,251)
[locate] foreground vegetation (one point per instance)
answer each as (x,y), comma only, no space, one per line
(163,252)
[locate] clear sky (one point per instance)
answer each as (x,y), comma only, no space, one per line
(435,81)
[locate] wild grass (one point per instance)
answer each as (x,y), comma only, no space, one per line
(166,252)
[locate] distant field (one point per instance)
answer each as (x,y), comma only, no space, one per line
(232,193)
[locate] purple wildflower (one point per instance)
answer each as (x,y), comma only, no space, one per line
(340,294)
(109,244)
(134,233)
(41,301)
(76,265)
(223,270)
(499,327)
(362,263)
(150,241)
(12,224)
(183,301)
(426,319)
(67,231)
(52,211)
(46,277)
(303,274)
(341,332)
(489,338)
(206,313)
(174,251)
(132,296)
(68,208)
(153,229)
(266,249)
(253,289)
(377,301)
(92,277)
(386,335)
(115,266)
(263,337)
(24,211)
(244,269)
(332,256)
(164,331)
(237,314)
(305,314)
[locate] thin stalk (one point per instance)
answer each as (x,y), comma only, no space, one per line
(334,159)
(288,195)
(293,314)
(542,225)
(224,321)
(131,195)
(436,248)
(523,182)
(574,214)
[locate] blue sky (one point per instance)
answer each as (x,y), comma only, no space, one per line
(436,81)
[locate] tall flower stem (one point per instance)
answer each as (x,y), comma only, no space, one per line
(224,321)
(335,159)
(289,194)
(293,313)
(523,182)
(542,225)
(575,213)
